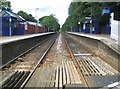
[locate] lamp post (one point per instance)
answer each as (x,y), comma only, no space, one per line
(79,26)
(36,28)
(71,29)
(91,20)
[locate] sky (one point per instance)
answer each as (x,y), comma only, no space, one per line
(46,7)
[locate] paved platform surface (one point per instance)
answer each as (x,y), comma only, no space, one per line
(5,39)
(103,38)
(100,81)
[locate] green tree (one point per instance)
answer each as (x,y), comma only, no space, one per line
(79,10)
(27,17)
(5,5)
(50,22)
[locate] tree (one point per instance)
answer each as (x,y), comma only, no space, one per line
(5,5)
(79,10)
(50,22)
(26,16)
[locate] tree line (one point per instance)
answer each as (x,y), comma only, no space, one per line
(49,22)
(78,11)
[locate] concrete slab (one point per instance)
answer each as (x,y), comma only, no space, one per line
(75,86)
(93,36)
(101,81)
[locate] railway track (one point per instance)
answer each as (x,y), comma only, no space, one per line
(26,51)
(23,68)
(91,66)
(64,63)
(23,54)
(57,69)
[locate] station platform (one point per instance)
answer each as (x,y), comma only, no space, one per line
(113,44)
(15,46)
(8,39)
(110,47)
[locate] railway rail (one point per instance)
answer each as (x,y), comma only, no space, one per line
(24,66)
(91,66)
(8,63)
(57,69)
(10,46)
(64,63)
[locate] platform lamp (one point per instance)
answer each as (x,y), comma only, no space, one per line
(71,29)
(91,19)
(36,28)
(79,26)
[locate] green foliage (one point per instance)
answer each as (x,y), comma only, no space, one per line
(27,17)
(77,13)
(5,5)
(79,10)
(50,22)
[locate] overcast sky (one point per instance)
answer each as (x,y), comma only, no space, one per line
(46,7)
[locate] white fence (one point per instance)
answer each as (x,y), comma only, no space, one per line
(115,28)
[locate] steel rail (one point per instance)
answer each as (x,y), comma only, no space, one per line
(76,64)
(43,56)
(23,53)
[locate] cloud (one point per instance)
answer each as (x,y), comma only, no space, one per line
(46,7)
